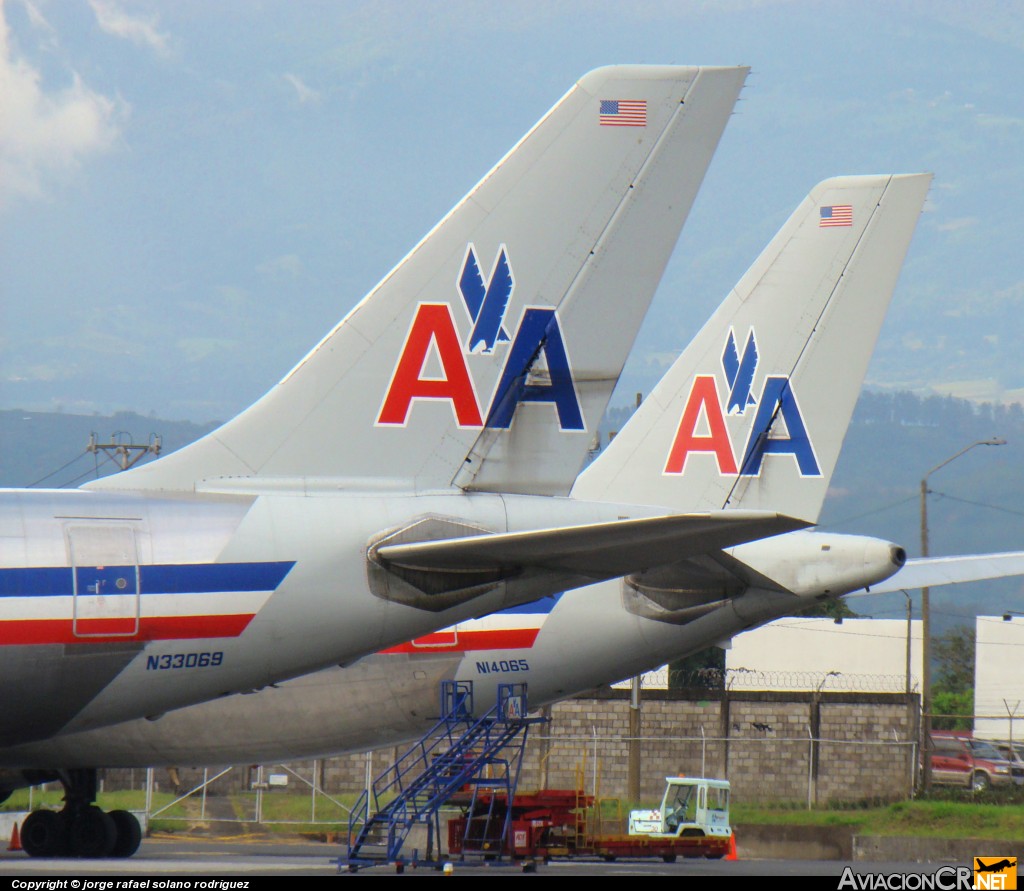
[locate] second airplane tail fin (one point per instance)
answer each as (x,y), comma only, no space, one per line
(486,358)
(754,412)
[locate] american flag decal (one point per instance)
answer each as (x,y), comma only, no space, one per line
(835,215)
(623,113)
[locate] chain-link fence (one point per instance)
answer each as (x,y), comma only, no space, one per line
(754,679)
(799,748)
(797,769)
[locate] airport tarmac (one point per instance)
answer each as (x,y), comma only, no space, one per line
(197,859)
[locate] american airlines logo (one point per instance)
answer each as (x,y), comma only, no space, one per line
(434,342)
(486,301)
(777,426)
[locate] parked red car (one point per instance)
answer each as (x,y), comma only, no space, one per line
(959,760)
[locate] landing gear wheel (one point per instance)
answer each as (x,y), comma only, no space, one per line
(44,834)
(81,829)
(668,858)
(129,834)
(93,834)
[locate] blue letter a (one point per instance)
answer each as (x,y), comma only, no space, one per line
(538,331)
(778,400)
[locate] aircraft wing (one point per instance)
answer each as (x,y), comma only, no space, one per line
(931,572)
(596,550)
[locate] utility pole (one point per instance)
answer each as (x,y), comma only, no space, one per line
(122,450)
(926,620)
(635,729)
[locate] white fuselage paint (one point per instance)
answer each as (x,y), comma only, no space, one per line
(587,639)
(64,670)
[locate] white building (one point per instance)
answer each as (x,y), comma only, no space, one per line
(864,655)
(999,677)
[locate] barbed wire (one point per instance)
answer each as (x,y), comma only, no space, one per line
(751,679)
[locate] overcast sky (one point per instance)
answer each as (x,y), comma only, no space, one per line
(193,193)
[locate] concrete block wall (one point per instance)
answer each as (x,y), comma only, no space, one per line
(758,740)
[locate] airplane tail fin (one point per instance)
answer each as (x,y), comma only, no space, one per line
(486,358)
(753,413)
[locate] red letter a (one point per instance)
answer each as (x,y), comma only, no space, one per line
(433,326)
(703,395)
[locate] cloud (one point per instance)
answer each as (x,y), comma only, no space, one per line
(285,266)
(139,30)
(36,17)
(306,94)
(999,120)
(46,131)
(958,223)
(196,349)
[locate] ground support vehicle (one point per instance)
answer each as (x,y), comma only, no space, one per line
(693,821)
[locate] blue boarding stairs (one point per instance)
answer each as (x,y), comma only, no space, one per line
(459,754)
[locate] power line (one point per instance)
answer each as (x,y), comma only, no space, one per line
(55,472)
(910,498)
(995,507)
(92,470)
(880,636)
(877,510)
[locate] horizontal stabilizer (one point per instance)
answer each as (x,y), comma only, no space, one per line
(598,550)
(932,572)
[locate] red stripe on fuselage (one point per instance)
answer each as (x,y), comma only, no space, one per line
(467,641)
(62,631)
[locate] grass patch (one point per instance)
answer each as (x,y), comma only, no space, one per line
(931,819)
(52,796)
(292,808)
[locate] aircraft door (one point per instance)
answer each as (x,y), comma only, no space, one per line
(105,564)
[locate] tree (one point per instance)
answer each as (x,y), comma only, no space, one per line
(831,608)
(953,690)
(953,658)
(710,663)
(683,672)
(952,710)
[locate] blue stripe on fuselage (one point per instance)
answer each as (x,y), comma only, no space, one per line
(535,608)
(169,578)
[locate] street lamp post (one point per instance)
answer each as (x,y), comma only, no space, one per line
(926,626)
(913,715)
(910,613)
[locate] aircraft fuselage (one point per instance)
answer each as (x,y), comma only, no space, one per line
(560,647)
(116,606)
